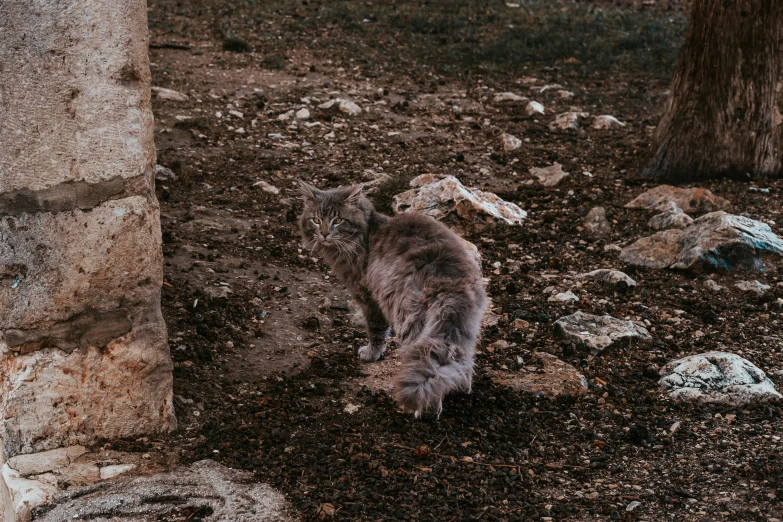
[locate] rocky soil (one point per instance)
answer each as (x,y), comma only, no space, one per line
(264,340)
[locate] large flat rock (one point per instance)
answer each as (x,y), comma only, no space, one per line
(717,377)
(691,200)
(205,491)
(597,333)
(545,375)
(715,241)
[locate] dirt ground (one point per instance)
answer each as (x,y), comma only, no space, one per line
(263,338)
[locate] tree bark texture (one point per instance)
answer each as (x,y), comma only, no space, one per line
(720,118)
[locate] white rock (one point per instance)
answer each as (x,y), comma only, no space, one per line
(564,297)
(549,176)
(266,187)
(236,114)
(345,106)
(567,120)
(351,408)
(753,286)
(620,280)
(508,97)
(440,198)
(562,94)
(168,94)
(115,470)
(717,377)
(286,115)
(534,108)
(510,142)
(598,333)
(671,217)
(303,113)
(606,122)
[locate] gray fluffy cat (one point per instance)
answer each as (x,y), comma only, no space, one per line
(409,272)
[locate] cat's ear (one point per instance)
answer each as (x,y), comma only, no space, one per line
(354,194)
(308,192)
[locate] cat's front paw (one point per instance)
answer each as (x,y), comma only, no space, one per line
(370,353)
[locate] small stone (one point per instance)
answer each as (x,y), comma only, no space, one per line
(567,121)
(520,323)
(351,408)
(500,344)
(164,174)
(346,107)
(564,95)
(286,116)
(690,200)
(596,224)
(422,452)
(564,297)
(326,512)
(510,142)
(303,113)
(236,114)
(606,122)
(549,176)
(671,217)
(508,97)
(162,93)
(712,286)
(534,108)
(620,280)
(266,187)
(717,377)
(753,286)
(597,333)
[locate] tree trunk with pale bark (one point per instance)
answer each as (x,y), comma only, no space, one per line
(721,118)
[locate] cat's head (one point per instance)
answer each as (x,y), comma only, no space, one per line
(334,221)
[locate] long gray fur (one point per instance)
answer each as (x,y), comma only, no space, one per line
(407,271)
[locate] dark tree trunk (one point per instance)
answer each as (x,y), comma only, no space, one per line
(720,118)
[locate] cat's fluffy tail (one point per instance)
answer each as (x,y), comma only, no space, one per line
(430,371)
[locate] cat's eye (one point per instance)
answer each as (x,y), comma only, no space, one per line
(337,221)
(316,221)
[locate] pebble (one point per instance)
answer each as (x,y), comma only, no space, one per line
(534,108)
(510,142)
(606,122)
(549,176)
(266,187)
(564,297)
(596,224)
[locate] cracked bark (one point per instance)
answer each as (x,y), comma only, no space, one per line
(720,118)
